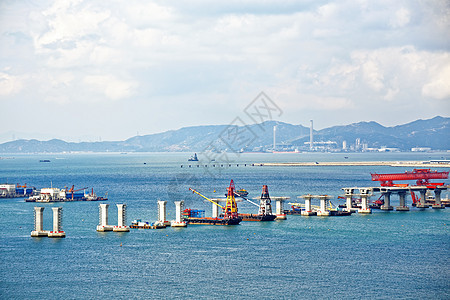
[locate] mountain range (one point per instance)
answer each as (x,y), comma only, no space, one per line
(432,133)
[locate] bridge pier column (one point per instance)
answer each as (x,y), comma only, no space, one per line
(364,202)
(279,210)
(348,199)
(387,202)
(437,200)
(402,206)
(215,210)
(308,211)
(423,199)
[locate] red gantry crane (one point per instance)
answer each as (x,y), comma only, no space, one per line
(422,177)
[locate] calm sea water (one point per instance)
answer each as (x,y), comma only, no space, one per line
(383,255)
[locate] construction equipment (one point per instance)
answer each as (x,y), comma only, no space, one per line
(422,177)
(72,191)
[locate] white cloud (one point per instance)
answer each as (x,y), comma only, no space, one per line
(439,85)
(110,86)
(9,84)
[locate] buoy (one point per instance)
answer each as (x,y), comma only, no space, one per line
(120,244)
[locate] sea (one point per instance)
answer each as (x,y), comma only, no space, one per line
(384,255)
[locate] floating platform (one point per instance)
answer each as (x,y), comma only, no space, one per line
(138,224)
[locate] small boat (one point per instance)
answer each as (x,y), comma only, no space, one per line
(193,158)
(44,160)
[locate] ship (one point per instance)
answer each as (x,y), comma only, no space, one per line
(193,158)
(197,217)
(265,208)
(230,215)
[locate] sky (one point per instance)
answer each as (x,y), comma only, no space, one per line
(109,70)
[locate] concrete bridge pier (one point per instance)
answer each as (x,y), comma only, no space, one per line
(178,221)
(402,206)
(365,209)
(57,231)
(307,211)
(38,223)
(387,201)
(324,203)
(121,219)
(279,209)
(437,200)
(423,199)
(348,199)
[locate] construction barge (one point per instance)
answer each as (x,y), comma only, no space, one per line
(64,195)
(230,216)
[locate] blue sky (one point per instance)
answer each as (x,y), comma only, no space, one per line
(85,70)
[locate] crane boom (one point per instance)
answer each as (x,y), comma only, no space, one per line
(194,191)
(246,199)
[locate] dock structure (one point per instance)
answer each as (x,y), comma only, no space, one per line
(103,218)
(178,222)
(162,213)
(121,219)
(386,193)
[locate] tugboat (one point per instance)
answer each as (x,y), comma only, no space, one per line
(193,158)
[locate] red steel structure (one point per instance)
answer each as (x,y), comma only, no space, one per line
(422,177)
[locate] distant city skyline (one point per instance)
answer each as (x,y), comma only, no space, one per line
(94,70)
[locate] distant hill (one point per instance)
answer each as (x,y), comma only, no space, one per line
(433,133)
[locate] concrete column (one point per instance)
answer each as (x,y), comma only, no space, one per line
(178,209)
(56,218)
(38,220)
(103,218)
(423,199)
(57,228)
(121,215)
(402,206)
(215,210)
(437,199)
(279,209)
(307,211)
(121,219)
(348,201)
(365,209)
(162,211)
(323,206)
(387,201)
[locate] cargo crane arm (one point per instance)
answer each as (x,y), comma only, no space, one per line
(194,191)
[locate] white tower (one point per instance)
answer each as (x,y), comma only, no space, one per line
(311,139)
(279,208)
(178,209)
(121,218)
(57,224)
(324,203)
(103,218)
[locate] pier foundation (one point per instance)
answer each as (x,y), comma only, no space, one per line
(178,209)
(387,202)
